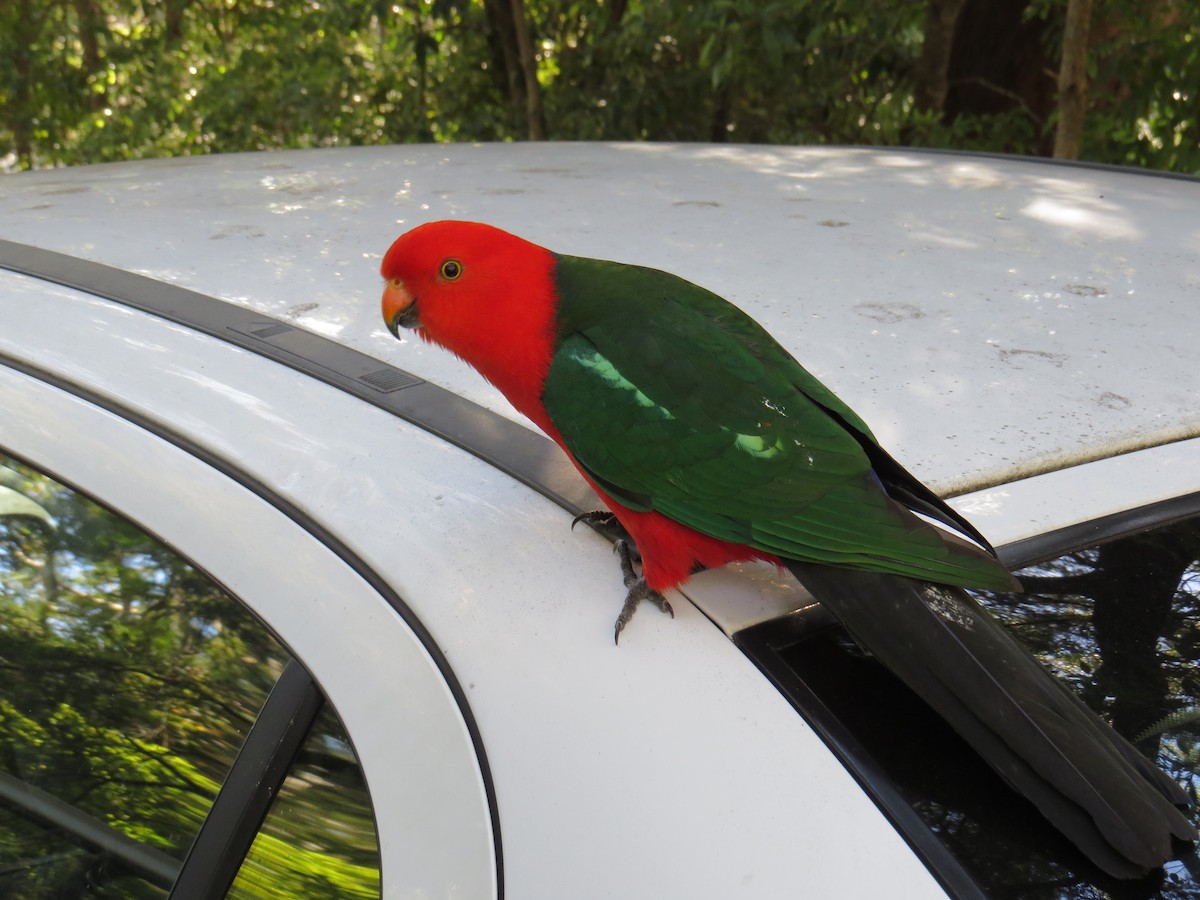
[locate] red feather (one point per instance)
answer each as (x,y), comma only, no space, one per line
(499,314)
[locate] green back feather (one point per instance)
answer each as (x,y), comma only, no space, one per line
(674,400)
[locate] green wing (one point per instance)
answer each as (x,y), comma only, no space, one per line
(676,401)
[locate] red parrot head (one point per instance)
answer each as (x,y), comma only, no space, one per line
(486,295)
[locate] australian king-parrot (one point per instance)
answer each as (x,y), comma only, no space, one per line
(711,444)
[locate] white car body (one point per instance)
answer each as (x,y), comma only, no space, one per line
(1018,334)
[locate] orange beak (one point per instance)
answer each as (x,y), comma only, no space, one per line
(399,307)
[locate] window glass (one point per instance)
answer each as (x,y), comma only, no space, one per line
(319,838)
(1119,623)
(128,682)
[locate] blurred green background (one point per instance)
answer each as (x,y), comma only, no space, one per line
(1104,80)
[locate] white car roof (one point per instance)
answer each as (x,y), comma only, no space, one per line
(669,766)
(991,318)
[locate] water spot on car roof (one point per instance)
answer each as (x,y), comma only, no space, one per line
(228,231)
(300,183)
(1017,357)
(710,203)
(66,189)
(890,313)
(1110,400)
(833,223)
(1086,290)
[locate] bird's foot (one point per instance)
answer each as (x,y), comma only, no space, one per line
(638,590)
(607,524)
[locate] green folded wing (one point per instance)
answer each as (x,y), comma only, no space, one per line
(674,400)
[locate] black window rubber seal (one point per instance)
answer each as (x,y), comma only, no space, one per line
(216,855)
(528,457)
(764,644)
(491,437)
(1061,541)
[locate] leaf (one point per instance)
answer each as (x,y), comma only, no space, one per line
(1169,723)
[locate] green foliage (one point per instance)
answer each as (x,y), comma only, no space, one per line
(130,681)
(1171,723)
(745,70)
(96,80)
(291,856)
(1146,104)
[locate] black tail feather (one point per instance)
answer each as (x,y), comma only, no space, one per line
(1094,786)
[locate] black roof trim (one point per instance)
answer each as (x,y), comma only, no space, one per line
(1061,541)
(763,644)
(525,455)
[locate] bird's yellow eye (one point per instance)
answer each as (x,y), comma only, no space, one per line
(451,270)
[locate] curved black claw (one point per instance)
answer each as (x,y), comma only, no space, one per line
(596,518)
(607,524)
(638,591)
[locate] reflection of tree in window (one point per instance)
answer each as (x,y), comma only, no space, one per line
(130,680)
(324,794)
(1121,623)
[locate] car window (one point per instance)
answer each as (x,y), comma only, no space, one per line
(1118,622)
(130,680)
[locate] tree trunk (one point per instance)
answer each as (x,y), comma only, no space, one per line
(1136,581)
(91,24)
(1073,80)
(506,58)
(616,12)
(173,27)
(999,65)
(933,67)
(534,115)
(21,108)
